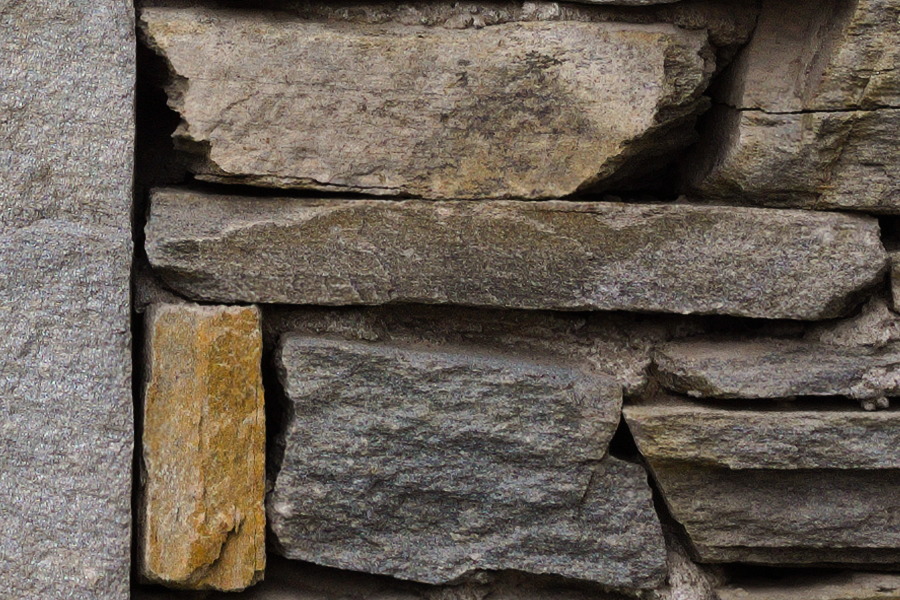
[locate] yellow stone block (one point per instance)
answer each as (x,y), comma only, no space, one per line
(202,518)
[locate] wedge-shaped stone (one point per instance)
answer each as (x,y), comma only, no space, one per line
(772,368)
(777,486)
(845,160)
(816,586)
(428,464)
(553,255)
(519,110)
(202,516)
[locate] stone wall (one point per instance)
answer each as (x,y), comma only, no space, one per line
(450,300)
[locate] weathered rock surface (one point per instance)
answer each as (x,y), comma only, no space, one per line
(519,110)
(550,255)
(829,160)
(895,279)
(818,586)
(777,486)
(772,368)
(818,131)
(202,519)
(66,423)
(430,464)
(874,326)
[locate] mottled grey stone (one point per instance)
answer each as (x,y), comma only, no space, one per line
(535,109)
(772,368)
(551,255)
(430,464)
(777,486)
(66,427)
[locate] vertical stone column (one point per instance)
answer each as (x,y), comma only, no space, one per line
(66,427)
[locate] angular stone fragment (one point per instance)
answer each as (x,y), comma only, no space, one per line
(777,486)
(772,368)
(520,110)
(66,418)
(552,255)
(842,160)
(817,586)
(429,464)
(202,517)
(818,131)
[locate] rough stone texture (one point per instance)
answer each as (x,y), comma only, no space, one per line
(777,486)
(551,255)
(66,426)
(818,131)
(844,160)
(874,326)
(518,110)
(772,368)
(818,586)
(202,516)
(430,464)
(895,280)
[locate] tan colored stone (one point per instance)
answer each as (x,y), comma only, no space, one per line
(202,516)
(518,110)
(817,586)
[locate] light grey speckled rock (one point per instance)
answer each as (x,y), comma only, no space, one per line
(818,131)
(777,486)
(519,110)
(430,464)
(553,255)
(66,426)
(780,369)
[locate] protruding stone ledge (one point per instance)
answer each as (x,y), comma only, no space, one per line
(787,487)
(202,516)
(518,110)
(539,255)
(773,368)
(427,464)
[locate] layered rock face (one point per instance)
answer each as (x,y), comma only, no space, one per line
(66,417)
(549,255)
(427,465)
(202,524)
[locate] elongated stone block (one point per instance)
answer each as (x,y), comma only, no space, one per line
(816,586)
(777,486)
(772,368)
(66,417)
(517,110)
(202,505)
(551,255)
(428,464)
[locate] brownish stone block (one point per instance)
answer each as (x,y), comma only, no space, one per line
(202,522)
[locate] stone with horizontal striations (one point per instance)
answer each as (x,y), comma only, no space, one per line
(782,487)
(202,516)
(428,464)
(518,110)
(818,131)
(549,255)
(815,586)
(773,368)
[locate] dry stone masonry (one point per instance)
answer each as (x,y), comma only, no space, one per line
(433,300)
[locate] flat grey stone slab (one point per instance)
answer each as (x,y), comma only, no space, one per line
(66,426)
(778,487)
(537,109)
(429,464)
(548,255)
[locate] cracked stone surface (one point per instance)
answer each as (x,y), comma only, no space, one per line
(429,464)
(66,417)
(202,516)
(757,486)
(777,369)
(819,131)
(536,109)
(548,255)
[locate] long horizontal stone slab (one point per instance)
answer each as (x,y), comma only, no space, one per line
(519,110)
(547,255)
(816,586)
(777,368)
(779,486)
(428,464)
